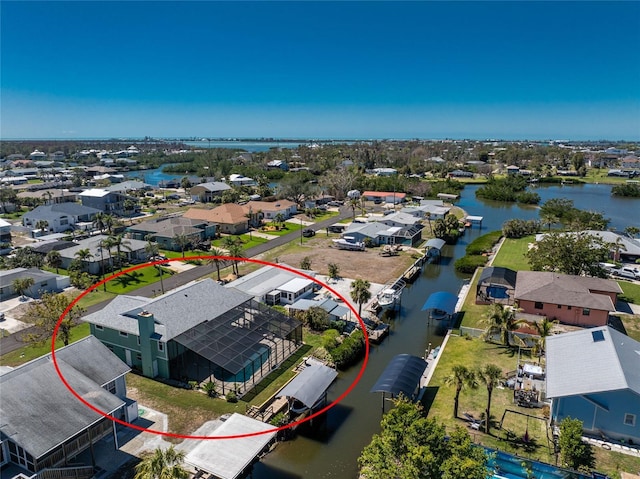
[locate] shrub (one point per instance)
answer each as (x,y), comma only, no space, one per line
(468,264)
(483,244)
(211,389)
(231,397)
(517,228)
(350,351)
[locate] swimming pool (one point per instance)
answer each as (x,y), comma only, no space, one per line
(508,466)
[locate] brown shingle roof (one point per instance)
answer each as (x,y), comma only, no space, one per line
(564,289)
(229,213)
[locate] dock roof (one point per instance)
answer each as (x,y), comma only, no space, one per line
(442,301)
(402,375)
(311,384)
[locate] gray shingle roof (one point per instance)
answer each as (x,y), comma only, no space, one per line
(576,364)
(170,227)
(93,244)
(38,412)
(174,312)
(565,289)
(213,186)
(49,212)
(7,276)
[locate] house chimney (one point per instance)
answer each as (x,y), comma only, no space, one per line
(146,329)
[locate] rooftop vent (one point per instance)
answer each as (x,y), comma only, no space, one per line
(597,336)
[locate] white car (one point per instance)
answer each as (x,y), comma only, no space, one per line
(627,272)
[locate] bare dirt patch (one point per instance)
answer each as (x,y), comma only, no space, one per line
(366,264)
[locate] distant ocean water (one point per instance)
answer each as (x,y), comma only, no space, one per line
(250,146)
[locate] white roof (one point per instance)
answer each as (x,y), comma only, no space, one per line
(95,192)
(4,223)
(592,361)
(228,458)
(295,285)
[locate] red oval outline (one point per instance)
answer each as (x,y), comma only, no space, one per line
(186,436)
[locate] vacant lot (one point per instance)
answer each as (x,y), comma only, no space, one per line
(366,264)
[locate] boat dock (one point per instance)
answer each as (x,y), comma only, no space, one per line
(376,330)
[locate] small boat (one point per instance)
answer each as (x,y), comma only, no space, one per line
(438,314)
(387,298)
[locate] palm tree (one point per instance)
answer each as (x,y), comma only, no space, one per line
(501,320)
(354,203)
(428,217)
(360,293)
(216,261)
(152,251)
(109,221)
(98,222)
(543,328)
(237,252)
(84,255)
(162,464)
(279,219)
(490,376)
(21,285)
(182,241)
(54,260)
(460,376)
(42,225)
(119,242)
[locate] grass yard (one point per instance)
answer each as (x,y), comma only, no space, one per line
(136,279)
(474,314)
(475,353)
(178,254)
(287,227)
(631,291)
(512,254)
(94,297)
(27,353)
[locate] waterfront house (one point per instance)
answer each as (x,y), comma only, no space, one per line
(164,231)
(240,180)
(43,282)
(335,310)
(134,251)
(274,286)
(198,331)
(460,174)
(270,209)
(61,217)
(43,426)
(432,211)
(575,300)
(399,219)
(231,218)
(110,202)
(592,375)
(384,196)
(210,191)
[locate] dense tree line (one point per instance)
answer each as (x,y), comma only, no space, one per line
(511,188)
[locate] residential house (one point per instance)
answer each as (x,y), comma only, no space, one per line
(43,425)
(336,311)
(134,251)
(231,218)
(164,230)
(630,163)
(362,232)
(57,156)
(50,195)
(207,192)
(460,174)
(385,171)
(386,196)
(5,231)
(268,210)
(381,234)
(110,202)
(592,376)
(37,155)
(279,164)
(275,286)
(109,178)
(575,300)
(622,247)
(61,217)
(43,282)
(399,219)
(239,180)
(199,331)
(513,170)
(428,211)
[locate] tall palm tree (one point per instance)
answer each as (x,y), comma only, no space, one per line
(109,221)
(54,259)
(502,321)
(543,328)
(182,241)
(279,219)
(354,203)
(119,242)
(152,250)
(428,217)
(21,285)
(237,252)
(162,464)
(216,261)
(42,225)
(334,271)
(98,222)
(360,293)
(84,255)
(460,376)
(490,376)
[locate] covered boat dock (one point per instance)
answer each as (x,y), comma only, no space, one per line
(231,458)
(433,247)
(311,385)
(441,305)
(474,220)
(401,376)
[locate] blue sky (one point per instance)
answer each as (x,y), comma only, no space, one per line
(320,70)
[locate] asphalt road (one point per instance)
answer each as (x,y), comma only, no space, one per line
(15,341)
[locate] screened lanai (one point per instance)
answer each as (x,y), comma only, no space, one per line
(236,349)
(496,285)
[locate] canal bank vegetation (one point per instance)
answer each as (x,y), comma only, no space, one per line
(477,252)
(510,189)
(631,190)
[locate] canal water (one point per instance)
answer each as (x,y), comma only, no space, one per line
(332,451)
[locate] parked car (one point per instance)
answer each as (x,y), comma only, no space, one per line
(627,272)
(308,233)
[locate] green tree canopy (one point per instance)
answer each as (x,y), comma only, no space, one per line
(574,453)
(162,464)
(45,313)
(360,293)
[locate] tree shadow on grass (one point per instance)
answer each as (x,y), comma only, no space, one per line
(125,280)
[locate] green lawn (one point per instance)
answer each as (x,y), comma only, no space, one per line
(631,291)
(475,353)
(595,175)
(136,279)
(29,352)
(287,227)
(474,313)
(94,297)
(15,215)
(512,254)
(178,254)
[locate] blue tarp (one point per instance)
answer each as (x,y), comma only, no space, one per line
(402,375)
(442,301)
